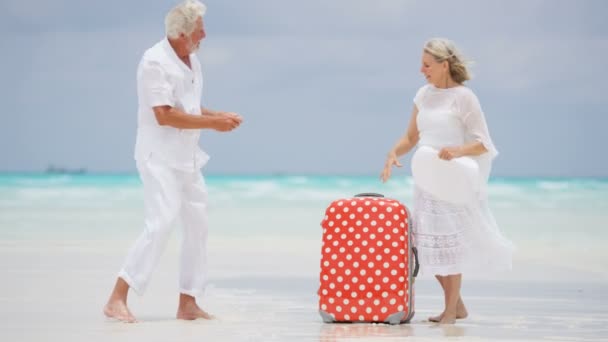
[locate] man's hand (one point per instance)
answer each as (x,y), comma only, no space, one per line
(226,123)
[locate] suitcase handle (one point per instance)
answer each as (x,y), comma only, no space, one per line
(416,263)
(369,194)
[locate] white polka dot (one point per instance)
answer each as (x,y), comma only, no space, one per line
(353,203)
(356,264)
(387,250)
(340,279)
(370,280)
(349,257)
(388,223)
(395,244)
(379,243)
(325,277)
(393,287)
(374,209)
(401,293)
(349,243)
(400,308)
(341,264)
(345,223)
(339,294)
(331,210)
(393,301)
(386,265)
(340,203)
(355,280)
(324,292)
(323,307)
(354,294)
(329,236)
(372,236)
(364,243)
(368,202)
(346,301)
(346,209)
(383,310)
(361,287)
(366,216)
(332,286)
(402,238)
(353,309)
(389,209)
(338,217)
(384,294)
(361,318)
(347,272)
(347,317)
(381,216)
(370,264)
(357,249)
(339,308)
(370,295)
(379,257)
(373,223)
(402,225)
(362,272)
(326,263)
(372,250)
(342,249)
(330,223)
(385,280)
(365,229)
(331,300)
(334,257)
(387,236)
(401,265)
(336,243)
(378,272)
(358,223)
(346,287)
(368,310)
(375,318)
(363,257)
(394,272)
(332,271)
(394,258)
(357,236)
(376,302)
(402,251)
(377,287)
(401,279)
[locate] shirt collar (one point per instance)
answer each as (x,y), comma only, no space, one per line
(173,56)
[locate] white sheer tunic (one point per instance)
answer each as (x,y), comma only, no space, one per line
(455,238)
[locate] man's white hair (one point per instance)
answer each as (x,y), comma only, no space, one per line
(182,18)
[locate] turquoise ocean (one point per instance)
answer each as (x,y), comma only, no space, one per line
(551,221)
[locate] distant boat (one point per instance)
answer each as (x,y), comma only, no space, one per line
(52,169)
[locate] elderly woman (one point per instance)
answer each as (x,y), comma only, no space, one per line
(451,236)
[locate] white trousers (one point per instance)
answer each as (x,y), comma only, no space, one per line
(170,195)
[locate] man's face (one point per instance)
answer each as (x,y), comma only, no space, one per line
(194,39)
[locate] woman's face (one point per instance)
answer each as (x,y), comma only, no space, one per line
(434,72)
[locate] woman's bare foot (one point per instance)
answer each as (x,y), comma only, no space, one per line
(189,310)
(117,309)
(461,312)
(448,318)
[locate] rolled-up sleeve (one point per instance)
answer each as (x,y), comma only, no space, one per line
(475,123)
(155,86)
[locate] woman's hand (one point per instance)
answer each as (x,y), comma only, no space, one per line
(448,153)
(391,160)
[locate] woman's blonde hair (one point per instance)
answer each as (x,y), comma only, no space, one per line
(445,50)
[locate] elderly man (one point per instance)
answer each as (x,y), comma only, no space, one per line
(170,117)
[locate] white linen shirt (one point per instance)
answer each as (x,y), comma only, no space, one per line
(163,79)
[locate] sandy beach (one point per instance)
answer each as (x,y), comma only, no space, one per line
(55,290)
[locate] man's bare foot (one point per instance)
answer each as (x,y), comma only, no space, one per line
(189,310)
(461,313)
(118,310)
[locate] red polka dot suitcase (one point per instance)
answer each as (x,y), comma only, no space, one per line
(368,263)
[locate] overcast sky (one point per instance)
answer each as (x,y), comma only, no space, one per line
(325,86)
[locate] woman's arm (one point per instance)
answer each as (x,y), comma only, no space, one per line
(403,146)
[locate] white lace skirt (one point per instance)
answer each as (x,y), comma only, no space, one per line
(453,239)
